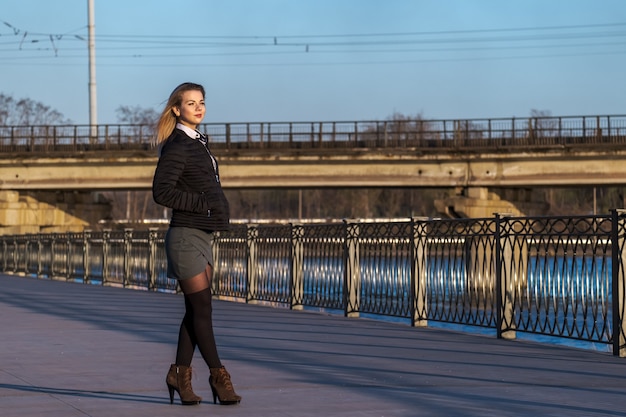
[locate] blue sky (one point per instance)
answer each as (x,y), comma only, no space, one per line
(321,60)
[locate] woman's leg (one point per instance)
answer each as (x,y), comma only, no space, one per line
(186,337)
(197,291)
(197,325)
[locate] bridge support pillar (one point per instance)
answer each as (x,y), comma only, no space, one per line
(23,212)
(480,202)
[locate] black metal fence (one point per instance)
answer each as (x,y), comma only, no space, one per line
(433,135)
(553,276)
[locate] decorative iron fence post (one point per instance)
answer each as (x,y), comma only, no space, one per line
(419,272)
(53,249)
(504,290)
(618,258)
(152,250)
(27,252)
(297,267)
(352,283)
(39,266)
(106,242)
(128,237)
(86,271)
(14,254)
(68,256)
(252,236)
(513,274)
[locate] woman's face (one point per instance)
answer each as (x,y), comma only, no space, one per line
(191,110)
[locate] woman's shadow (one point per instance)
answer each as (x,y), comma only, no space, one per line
(85,393)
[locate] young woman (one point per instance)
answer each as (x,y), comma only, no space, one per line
(187,181)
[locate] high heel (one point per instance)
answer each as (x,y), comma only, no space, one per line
(179,379)
(222,387)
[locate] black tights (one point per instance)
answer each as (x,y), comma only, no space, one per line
(197,330)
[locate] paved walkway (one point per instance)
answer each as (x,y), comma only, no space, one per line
(79,350)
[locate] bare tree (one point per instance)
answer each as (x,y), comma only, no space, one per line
(542,124)
(136,115)
(142,120)
(400,130)
(27,112)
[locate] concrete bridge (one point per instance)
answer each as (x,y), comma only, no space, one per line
(48,174)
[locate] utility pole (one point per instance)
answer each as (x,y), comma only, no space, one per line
(93,108)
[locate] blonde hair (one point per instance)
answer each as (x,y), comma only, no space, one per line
(167,121)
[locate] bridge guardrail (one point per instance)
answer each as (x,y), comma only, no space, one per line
(433,135)
(555,276)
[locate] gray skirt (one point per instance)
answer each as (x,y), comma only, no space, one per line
(188,252)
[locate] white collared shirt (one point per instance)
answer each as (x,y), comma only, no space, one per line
(193,134)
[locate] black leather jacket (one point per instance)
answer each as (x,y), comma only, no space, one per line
(187,181)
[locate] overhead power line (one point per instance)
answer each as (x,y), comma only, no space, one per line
(607,38)
(375,34)
(276,39)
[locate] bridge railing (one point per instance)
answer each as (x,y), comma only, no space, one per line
(555,276)
(499,133)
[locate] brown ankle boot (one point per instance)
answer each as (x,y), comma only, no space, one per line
(222,387)
(179,379)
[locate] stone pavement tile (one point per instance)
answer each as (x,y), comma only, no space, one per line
(71,349)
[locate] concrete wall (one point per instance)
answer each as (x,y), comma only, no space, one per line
(24,212)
